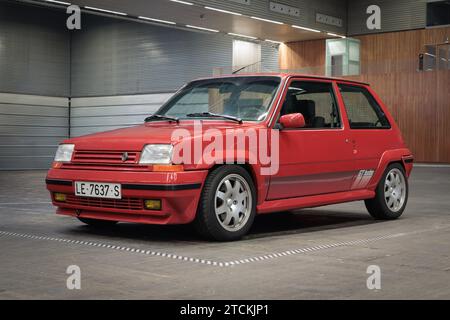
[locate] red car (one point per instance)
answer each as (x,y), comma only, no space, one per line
(225,149)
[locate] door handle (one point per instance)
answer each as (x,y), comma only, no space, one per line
(354,146)
(353,142)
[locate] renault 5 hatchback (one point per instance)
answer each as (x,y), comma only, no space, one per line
(225,149)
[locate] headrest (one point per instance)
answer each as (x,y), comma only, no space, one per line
(289,105)
(307,108)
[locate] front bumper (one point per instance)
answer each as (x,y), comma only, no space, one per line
(179,193)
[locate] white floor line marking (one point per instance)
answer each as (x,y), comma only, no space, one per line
(270,256)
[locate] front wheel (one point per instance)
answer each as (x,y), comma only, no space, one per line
(391,194)
(227,204)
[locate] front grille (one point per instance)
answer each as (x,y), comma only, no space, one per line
(125,203)
(105,160)
(105,157)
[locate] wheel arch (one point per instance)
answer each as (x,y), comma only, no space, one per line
(260,182)
(401,156)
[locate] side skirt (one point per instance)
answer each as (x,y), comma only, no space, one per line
(313,201)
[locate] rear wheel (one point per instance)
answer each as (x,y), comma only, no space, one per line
(227,205)
(391,194)
(98,223)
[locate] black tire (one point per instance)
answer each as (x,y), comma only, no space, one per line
(207,222)
(98,223)
(378,207)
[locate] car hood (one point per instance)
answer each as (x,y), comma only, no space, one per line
(135,138)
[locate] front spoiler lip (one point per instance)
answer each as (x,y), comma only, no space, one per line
(58,182)
(155,187)
(162,187)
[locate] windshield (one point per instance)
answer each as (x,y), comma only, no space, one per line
(246,98)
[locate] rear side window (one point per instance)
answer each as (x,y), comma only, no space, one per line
(363,111)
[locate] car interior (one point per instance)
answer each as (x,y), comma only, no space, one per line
(314,102)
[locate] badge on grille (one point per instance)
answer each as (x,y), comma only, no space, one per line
(125,156)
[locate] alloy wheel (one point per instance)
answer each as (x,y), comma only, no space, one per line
(233,202)
(395,190)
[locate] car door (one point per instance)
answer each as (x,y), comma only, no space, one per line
(368,128)
(318,158)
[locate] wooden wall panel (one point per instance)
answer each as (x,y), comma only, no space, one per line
(419,101)
(397,51)
(302,56)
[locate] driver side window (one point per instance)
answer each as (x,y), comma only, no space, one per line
(315,101)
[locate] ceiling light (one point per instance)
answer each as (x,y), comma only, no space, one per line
(156,20)
(306,29)
(201,28)
(183,2)
(273,41)
(335,35)
(267,20)
(107,11)
(224,11)
(241,35)
(59,2)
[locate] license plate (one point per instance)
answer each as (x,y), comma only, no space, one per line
(98,190)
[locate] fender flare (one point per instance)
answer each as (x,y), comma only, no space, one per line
(402,155)
(260,181)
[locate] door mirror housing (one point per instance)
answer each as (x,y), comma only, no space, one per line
(293,121)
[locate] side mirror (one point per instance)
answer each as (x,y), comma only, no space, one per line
(293,120)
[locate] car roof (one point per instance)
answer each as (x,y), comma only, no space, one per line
(284,75)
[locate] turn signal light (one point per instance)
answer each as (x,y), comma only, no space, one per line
(60,197)
(56,165)
(152,204)
(168,168)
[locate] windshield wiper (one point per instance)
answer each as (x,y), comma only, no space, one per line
(213,115)
(161,117)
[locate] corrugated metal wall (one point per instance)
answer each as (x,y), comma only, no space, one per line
(30,129)
(395,15)
(34,59)
(34,50)
(116,57)
(142,64)
(269,57)
(121,72)
(95,114)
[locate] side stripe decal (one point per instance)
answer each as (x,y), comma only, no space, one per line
(362,179)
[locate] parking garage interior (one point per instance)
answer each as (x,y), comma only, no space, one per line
(128,57)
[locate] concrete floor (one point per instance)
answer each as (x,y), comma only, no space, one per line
(318,253)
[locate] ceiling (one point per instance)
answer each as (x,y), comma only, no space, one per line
(196,15)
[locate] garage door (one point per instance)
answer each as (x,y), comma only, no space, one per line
(95,114)
(31,127)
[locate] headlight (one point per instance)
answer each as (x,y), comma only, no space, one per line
(156,154)
(64,153)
